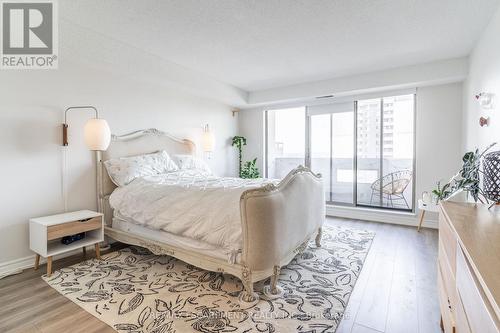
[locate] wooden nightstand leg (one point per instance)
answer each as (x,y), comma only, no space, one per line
(37,261)
(49,266)
(97,252)
(421,220)
(84,249)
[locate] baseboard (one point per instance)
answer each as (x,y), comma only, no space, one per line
(18,265)
(401,218)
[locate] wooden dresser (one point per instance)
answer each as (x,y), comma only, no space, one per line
(469,268)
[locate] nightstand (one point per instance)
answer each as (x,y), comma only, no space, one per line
(46,233)
(426,207)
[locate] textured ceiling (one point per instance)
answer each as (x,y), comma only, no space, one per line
(257,45)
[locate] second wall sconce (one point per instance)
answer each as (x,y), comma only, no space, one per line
(485,100)
(208,140)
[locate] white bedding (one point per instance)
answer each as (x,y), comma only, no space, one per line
(121,223)
(189,204)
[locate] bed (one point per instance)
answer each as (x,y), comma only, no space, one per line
(275,219)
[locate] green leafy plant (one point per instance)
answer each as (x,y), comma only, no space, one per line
(443,192)
(239,142)
(250,170)
(468,178)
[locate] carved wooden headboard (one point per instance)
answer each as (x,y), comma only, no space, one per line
(132,144)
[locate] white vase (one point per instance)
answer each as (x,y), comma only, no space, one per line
(426,198)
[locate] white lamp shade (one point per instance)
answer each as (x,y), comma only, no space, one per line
(97,134)
(208,141)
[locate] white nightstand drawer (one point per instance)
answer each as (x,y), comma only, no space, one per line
(72,228)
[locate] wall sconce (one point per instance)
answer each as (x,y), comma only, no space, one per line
(485,100)
(484,121)
(96,131)
(208,140)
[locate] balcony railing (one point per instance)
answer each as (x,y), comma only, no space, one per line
(339,178)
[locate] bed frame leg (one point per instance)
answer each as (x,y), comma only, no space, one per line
(318,237)
(274,291)
(274,280)
(248,295)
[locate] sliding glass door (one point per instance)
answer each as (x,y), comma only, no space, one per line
(369,163)
(331,149)
(364,149)
(285,141)
(385,150)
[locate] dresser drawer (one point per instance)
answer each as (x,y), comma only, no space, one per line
(448,239)
(71,228)
(478,311)
(461,318)
(444,305)
(448,277)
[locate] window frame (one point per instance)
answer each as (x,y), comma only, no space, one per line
(307,159)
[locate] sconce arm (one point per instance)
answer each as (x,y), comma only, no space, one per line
(65,125)
(79,107)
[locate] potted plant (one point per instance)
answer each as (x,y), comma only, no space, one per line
(239,142)
(467,179)
(249,170)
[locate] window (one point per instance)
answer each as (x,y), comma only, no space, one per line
(331,148)
(364,149)
(285,144)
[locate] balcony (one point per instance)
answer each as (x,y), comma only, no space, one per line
(339,188)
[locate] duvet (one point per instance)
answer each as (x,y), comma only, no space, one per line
(187,203)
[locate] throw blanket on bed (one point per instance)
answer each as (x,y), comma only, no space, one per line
(189,204)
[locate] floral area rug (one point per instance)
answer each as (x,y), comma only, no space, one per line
(135,291)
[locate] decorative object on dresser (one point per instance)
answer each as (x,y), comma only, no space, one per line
(491,177)
(468,268)
(467,179)
(46,234)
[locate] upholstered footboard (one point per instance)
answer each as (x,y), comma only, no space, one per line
(277,222)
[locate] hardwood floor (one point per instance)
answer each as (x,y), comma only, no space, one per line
(395,293)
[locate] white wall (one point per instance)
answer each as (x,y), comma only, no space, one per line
(31,113)
(438,135)
(484,76)
(439,138)
(251,126)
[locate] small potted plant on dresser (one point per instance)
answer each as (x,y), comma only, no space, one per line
(468,181)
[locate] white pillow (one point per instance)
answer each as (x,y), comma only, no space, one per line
(190,162)
(125,169)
